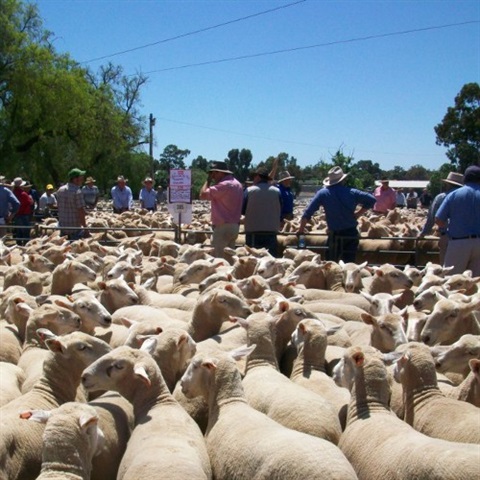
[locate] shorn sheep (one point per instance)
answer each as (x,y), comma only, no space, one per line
(70,440)
(378,444)
(245,444)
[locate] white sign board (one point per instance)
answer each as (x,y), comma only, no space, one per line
(181,212)
(180,186)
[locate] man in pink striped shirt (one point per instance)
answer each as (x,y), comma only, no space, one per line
(226,196)
(386,197)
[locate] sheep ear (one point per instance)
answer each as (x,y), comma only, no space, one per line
(183,338)
(149,345)
(242,352)
(209,364)
(391,357)
(368,319)
(362,265)
(358,358)
(44,334)
(85,421)
(379,272)
(140,371)
(23,309)
(64,304)
(229,287)
(283,306)
(54,345)
(40,416)
(366,295)
(301,326)
(333,330)
(241,321)
(127,322)
(474,364)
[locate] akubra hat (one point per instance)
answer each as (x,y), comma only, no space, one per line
(335,175)
(454,178)
(282,176)
(219,167)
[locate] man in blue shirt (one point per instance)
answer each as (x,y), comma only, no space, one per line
(461,212)
(9,203)
(340,203)
(122,196)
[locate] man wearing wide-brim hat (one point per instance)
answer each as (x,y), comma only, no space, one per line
(122,196)
(91,193)
(460,211)
(226,195)
(453,181)
(340,204)
(284,184)
(71,206)
(148,195)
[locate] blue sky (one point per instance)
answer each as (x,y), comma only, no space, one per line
(377,99)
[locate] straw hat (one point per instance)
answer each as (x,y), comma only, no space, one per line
(454,178)
(335,175)
(148,180)
(282,176)
(19,182)
(90,180)
(121,178)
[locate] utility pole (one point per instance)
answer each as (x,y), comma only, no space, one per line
(151,123)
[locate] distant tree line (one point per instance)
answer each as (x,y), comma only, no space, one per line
(56,114)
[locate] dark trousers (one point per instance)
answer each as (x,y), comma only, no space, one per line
(22,234)
(266,240)
(343,245)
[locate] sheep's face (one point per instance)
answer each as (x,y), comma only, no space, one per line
(107,373)
(454,358)
(92,313)
(388,332)
(342,375)
(196,377)
(440,323)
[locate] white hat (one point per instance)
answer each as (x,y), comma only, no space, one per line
(454,178)
(335,175)
(282,176)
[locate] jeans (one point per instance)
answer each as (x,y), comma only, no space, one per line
(22,234)
(343,245)
(266,240)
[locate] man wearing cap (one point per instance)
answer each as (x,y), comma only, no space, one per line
(9,204)
(452,182)
(71,205)
(225,194)
(461,212)
(90,193)
(340,204)
(24,213)
(262,206)
(385,196)
(122,196)
(148,196)
(47,201)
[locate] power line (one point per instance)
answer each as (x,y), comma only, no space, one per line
(287,141)
(318,45)
(183,35)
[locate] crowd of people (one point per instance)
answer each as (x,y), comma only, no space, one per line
(265,205)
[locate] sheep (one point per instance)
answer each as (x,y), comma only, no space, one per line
(386,279)
(310,340)
(315,295)
(341,310)
(463,281)
(66,275)
(426,408)
(352,276)
(11,345)
(454,358)
(122,268)
(69,356)
(70,440)
(436,269)
(166,442)
(116,293)
(378,444)
(59,320)
(310,274)
(11,380)
(38,263)
(469,389)
(450,320)
(414,274)
(163,300)
(244,444)
(381,303)
(427,299)
(270,392)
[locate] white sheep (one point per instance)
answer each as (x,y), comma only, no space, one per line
(352,276)
(66,275)
(116,293)
(386,279)
(11,344)
(70,440)
(310,340)
(62,369)
(270,392)
(469,389)
(381,303)
(245,444)
(11,380)
(450,320)
(426,408)
(166,442)
(378,444)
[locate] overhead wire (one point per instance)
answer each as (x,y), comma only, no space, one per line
(194,32)
(318,45)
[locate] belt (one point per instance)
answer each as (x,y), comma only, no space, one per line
(465,238)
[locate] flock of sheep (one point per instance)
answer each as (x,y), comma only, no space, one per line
(148,359)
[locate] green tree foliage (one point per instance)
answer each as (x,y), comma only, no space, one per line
(55,114)
(459,130)
(365,173)
(200,163)
(239,162)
